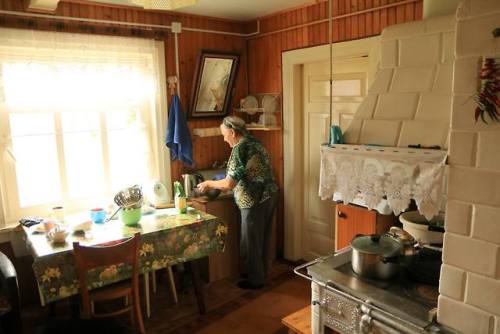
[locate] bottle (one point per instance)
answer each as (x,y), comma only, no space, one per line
(58,214)
(180,198)
(336,136)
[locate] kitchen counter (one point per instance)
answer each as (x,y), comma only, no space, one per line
(223,264)
(205,199)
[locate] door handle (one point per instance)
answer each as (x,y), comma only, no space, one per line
(341,214)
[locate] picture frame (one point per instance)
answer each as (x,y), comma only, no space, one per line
(213,84)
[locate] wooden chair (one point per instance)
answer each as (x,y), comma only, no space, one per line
(10,322)
(126,252)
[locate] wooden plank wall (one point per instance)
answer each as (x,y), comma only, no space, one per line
(260,55)
(206,150)
(264,51)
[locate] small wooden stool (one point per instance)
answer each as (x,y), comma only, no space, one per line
(299,322)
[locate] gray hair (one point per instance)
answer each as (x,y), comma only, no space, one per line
(235,123)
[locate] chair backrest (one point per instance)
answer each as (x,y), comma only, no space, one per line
(90,257)
(9,289)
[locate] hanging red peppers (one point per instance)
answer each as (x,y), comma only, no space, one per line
(487,97)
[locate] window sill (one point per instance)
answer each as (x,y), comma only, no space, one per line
(9,228)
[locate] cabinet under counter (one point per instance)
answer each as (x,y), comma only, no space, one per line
(223,264)
(351,220)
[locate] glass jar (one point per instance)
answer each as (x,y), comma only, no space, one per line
(181,204)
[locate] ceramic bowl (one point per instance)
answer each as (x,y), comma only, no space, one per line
(58,235)
(130,217)
(211,194)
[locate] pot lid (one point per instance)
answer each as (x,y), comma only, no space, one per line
(376,244)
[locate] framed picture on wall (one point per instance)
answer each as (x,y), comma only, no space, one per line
(213,83)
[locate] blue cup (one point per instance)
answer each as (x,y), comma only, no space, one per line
(98,215)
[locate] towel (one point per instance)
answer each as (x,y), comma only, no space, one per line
(178,137)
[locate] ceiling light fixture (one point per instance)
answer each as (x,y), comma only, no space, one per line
(163,4)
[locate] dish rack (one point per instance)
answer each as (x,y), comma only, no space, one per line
(261,111)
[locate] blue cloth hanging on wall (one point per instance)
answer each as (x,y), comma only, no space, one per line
(178,137)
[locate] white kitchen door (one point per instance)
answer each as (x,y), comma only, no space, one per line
(349,87)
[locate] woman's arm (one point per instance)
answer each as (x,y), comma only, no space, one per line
(226,183)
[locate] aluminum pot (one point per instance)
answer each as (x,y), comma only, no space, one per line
(410,248)
(375,256)
(423,230)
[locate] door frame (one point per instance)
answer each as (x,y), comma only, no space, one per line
(292,62)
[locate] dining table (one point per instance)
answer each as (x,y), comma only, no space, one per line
(167,238)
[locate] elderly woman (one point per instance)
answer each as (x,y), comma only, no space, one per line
(255,191)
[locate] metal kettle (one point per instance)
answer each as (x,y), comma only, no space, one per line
(410,246)
(190,181)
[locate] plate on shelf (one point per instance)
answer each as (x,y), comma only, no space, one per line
(267,120)
(250,104)
(270,103)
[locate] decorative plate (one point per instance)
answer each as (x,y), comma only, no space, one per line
(270,103)
(267,120)
(250,103)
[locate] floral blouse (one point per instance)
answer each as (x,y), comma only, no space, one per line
(250,167)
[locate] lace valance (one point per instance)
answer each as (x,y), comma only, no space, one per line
(395,173)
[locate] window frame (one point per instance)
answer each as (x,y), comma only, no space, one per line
(155,118)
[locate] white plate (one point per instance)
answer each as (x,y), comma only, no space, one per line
(81,225)
(270,103)
(157,192)
(38,228)
(146,210)
(250,103)
(267,120)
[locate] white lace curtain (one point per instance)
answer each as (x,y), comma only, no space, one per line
(74,60)
(375,173)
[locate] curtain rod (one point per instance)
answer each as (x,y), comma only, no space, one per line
(133,24)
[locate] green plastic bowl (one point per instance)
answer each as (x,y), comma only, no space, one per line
(130,217)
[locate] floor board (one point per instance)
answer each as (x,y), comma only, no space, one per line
(229,308)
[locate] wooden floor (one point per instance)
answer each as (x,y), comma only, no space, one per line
(229,309)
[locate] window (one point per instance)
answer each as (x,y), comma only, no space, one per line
(80,118)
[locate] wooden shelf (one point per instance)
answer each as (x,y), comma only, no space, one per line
(249,111)
(258,119)
(207,132)
(264,128)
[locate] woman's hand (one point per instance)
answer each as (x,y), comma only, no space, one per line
(203,186)
(223,184)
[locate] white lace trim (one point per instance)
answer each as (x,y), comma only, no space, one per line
(398,174)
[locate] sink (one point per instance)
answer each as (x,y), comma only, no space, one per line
(210,174)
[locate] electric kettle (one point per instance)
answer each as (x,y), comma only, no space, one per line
(190,182)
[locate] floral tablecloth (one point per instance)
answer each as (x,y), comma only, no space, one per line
(167,238)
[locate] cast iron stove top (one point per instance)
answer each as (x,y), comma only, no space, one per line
(401,295)
(402,285)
